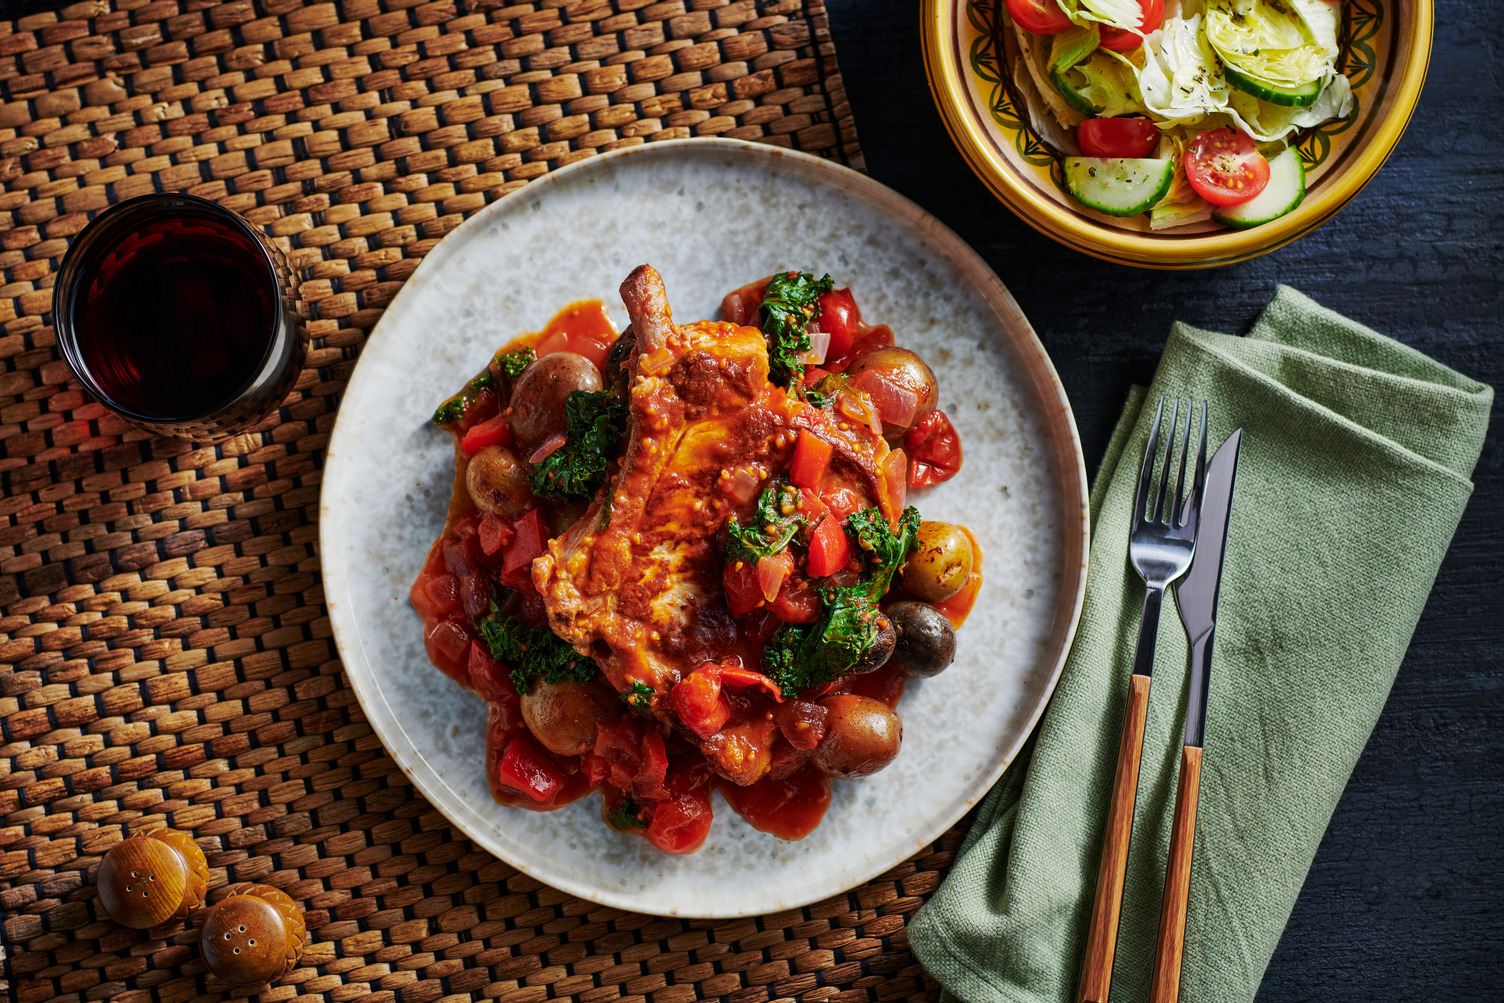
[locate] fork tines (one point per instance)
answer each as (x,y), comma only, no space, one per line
(1182,509)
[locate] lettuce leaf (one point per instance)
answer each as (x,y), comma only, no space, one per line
(1267,122)
(1283,42)
(1181,80)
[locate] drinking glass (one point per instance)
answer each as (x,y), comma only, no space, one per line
(179,316)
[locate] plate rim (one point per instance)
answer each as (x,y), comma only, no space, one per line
(1060,419)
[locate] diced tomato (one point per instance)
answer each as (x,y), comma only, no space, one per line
(841,502)
(935,446)
(698,701)
(772,572)
(895,486)
(1224,167)
(811,461)
(488,432)
(494,533)
(1117,137)
(635,758)
(489,677)
(740,306)
(528,768)
(802,723)
(829,549)
(648,784)
(448,643)
(435,596)
(531,540)
(475,596)
(742,592)
(681,823)
(814,374)
(840,317)
(799,602)
(740,677)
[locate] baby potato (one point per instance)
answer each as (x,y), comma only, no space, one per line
(905,369)
(939,566)
(563,715)
(862,736)
(540,393)
(497,482)
(926,641)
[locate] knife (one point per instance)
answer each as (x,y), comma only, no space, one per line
(1197,600)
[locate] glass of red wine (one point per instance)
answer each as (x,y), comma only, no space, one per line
(180,316)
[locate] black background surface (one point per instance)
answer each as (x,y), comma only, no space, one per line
(1404,899)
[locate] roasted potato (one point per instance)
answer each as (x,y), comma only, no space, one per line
(540,393)
(926,642)
(939,566)
(563,715)
(862,736)
(903,368)
(497,482)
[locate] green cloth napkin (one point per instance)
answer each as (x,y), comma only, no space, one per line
(1357,454)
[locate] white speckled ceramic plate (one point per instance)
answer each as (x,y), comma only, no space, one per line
(711,215)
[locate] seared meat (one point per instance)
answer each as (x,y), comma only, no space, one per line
(637,581)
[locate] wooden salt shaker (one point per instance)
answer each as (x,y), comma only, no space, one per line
(255,934)
(151,878)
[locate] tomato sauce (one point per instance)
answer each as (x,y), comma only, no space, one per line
(654,782)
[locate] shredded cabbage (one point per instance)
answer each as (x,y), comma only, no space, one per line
(1034,52)
(1108,82)
(1181,205)
(1115,13)
(1282,42)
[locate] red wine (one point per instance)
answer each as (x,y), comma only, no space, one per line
(177,315)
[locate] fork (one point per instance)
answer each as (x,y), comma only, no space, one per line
(1160,547)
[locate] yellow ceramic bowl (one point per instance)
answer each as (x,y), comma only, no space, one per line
(1386,51)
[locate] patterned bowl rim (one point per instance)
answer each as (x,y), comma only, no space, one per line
(945,63)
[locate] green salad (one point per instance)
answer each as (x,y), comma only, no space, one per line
(1181,110)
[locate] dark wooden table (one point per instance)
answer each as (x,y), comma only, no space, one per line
(1406,897)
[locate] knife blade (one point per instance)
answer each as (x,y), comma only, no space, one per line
(1196,597)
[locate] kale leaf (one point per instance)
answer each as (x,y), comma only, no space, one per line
(771,527)
(514,362)
(596,422)
(450,411)
(883,551)
(791,301)
(639,696)
(626,816)
(529,652)
(801,656)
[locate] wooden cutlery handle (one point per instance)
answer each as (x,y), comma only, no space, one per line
(1170,950)
(1107,904)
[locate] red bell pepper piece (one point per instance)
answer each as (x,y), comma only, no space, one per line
(489,432)
(811,460)
(527,768)
(829,549)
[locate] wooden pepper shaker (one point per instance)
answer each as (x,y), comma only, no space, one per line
(150,878)
(255,934)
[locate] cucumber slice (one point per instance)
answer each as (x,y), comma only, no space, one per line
(1291,97)
(1118,186)
(1072,96)
(1285,190)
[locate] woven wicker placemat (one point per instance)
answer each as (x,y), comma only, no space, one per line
(165,653)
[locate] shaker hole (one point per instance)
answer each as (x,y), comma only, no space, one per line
(242,928)
(237,950)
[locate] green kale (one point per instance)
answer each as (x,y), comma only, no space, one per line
(883,551)
(771,528)
(514,362)
(801,656)
(628,815)
(791,301)
(639,697)
(816,398)
(451,410)
(596,422)
(530,652)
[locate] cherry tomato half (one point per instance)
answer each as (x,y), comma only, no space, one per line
(1151,17)
(936,447)
(1117,137)
(1224,167)
(1042,17)
(839,315)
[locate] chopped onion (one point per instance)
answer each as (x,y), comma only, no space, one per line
(549,447)
(657,360)
(742,485)
(895,403)
(772,572)
(819,342)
